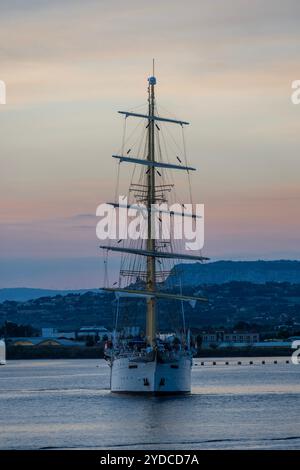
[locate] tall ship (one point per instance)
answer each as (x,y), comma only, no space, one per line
(147,353)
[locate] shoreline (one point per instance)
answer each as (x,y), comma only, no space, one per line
(57,352)
(245,352)
(96,352)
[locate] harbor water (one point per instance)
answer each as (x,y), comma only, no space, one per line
(67,404)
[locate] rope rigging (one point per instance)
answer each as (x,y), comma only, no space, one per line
(133,267)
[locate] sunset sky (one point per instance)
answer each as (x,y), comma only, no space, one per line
(226,66)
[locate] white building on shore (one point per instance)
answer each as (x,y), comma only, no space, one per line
(221,338)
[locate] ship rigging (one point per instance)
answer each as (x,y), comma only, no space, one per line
(151,364)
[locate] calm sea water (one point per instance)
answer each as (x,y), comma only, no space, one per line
(67,404)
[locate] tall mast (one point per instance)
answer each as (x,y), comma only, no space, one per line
(151,277)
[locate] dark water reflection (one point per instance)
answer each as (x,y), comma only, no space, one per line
(67,404)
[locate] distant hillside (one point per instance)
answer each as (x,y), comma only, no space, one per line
(258,272)
(265,304)
(218,272)
(22,294)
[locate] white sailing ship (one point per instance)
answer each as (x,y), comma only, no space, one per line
(149,362)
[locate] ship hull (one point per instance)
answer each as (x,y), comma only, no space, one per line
(151,377)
